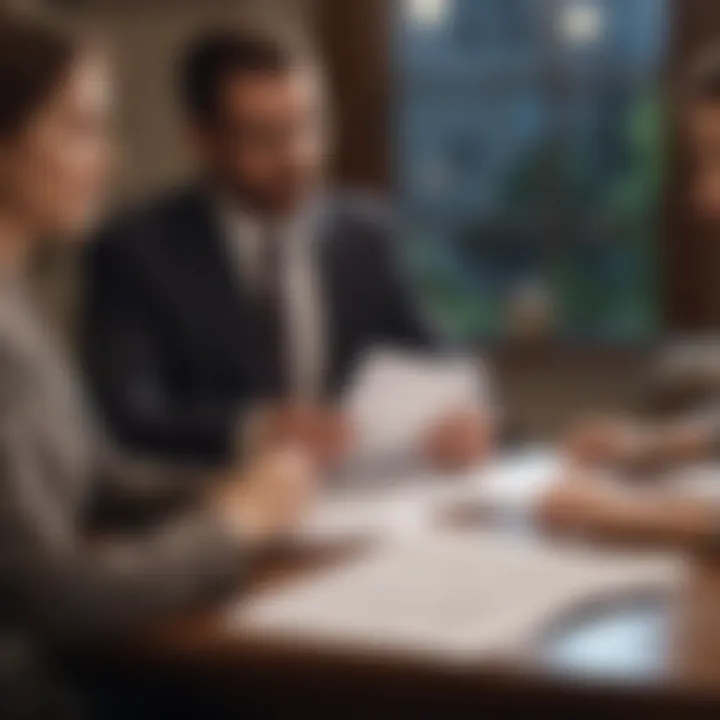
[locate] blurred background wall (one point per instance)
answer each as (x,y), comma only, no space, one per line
(145,37)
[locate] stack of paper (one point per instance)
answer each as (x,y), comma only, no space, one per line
(457,595)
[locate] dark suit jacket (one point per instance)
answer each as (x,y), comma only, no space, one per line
(168,341)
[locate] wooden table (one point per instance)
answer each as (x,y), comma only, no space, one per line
(655,657)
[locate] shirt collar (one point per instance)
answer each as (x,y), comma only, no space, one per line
(244,225)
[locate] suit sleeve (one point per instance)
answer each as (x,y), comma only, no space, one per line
(127,368)
(72,590)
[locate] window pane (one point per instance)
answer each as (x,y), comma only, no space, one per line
(529,162)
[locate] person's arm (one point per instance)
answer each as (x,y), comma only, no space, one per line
(642,446)
(690,440)
(587,506)
(128,374)
(134,490)
(76,589)
(73,589)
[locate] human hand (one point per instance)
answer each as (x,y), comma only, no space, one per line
(269,496)
(460,439)
(323,432)
(606,440)
(586,505)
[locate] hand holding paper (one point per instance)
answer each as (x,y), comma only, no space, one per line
(418,406)
(322,432)
(459,439)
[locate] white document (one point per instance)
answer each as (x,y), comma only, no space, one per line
(401,504)
(406,507)
(515,482)
(397,397)
(458,596)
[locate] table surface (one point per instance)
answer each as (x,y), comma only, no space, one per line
(663,648)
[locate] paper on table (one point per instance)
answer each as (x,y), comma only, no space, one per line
(515,482)
(456,596)
(404,508)
(407,503)
(397,396)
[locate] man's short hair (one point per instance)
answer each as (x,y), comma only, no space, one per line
(218,55)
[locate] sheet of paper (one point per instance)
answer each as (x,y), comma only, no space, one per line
(515,481)
(462,596)
(404,502)
(396,397)
(405,507)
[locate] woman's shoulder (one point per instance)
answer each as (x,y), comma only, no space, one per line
(18,344)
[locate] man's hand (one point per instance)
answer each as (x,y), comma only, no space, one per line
(606,440)
(584,505)
(460,439)
(324,433)
(268,497)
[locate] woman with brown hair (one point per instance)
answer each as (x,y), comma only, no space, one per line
(58,588)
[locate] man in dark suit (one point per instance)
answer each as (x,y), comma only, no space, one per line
(233,311)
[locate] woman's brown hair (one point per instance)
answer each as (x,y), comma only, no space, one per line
(35,56)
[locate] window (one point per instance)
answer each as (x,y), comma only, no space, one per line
(528,155)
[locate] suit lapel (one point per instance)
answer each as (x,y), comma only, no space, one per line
(228,305)
(219,286)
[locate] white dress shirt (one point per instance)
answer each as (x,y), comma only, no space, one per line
(303,304)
